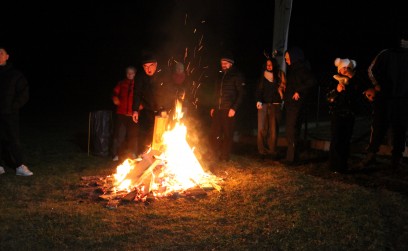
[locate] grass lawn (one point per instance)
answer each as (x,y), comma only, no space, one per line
(263,205)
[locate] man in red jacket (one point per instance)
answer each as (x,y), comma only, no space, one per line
(125,130)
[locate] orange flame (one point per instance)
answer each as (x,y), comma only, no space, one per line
(179,169)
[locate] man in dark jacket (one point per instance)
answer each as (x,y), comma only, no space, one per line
(299,81)
(13,95)
(151,93)
(389,74)
(229,93)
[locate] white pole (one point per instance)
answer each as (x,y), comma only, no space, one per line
(283,9)
(89,131)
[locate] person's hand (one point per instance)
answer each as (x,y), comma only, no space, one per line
(116,100)
(341,87)
(231,113)
(296,96)
(281,90)
(135,117)
(211,112)
(258,105)
(370,94)
(342,79)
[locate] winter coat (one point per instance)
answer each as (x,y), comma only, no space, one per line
(300,79)
(390,71)
(350,100)
(14,90)
(124,92)
(154,93)
(229,90)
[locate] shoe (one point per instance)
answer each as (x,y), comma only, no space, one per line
(368,160)
(2,170)
(23,171)
(116,158)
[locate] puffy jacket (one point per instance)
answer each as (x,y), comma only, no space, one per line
(389,70)
(154,93)
(124,92)
(14,90)
(229,90)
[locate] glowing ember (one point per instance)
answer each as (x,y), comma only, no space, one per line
(176,169)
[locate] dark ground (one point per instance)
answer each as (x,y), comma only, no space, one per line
(377,176)
(314,157)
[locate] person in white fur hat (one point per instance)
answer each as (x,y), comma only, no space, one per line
(348,90)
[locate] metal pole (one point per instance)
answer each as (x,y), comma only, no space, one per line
(318,107)
(89,130)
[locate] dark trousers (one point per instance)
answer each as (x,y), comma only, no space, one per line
(379,125)
(125,137)
(221,134)
(399,126)
(341,131)
(10,148)
(268,128)
(391,114)
(294,119)
(146,127)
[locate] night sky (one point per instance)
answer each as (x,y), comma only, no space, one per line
(74,54)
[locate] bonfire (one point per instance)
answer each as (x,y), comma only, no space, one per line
(168,168)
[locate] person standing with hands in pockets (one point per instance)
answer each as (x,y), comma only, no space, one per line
(14,93)
(229,93)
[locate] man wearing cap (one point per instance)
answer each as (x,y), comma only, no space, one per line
(229,93)
(150,97)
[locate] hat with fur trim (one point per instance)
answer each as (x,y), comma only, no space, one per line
(340,63)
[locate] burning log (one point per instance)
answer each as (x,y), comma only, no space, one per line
(160,125)
(169,168)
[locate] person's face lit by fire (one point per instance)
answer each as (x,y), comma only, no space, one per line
(3,56)
(130,73)
(346,71)
(269,65)
(150,68)
(225,65)
(287,58)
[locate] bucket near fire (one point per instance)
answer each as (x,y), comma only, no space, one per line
(100,132)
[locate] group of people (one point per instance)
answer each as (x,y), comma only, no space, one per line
(139,98)
(142,96)
(277,91)
(385,86)
(388,94)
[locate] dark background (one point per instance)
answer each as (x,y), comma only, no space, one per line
(73,54)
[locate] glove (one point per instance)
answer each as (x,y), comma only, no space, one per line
(342,79)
